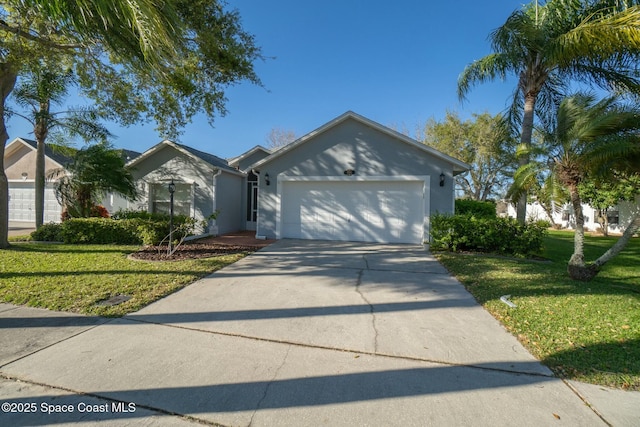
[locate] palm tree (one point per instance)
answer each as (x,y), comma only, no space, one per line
(40,88)
(589,139)
(94,171)
(549,46)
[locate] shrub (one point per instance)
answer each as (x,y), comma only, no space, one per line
(498,235)
(543,223)
(50,232)
(99,211)
(475,208)
(100,231)
(134,231)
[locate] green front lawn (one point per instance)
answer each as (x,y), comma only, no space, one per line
(78,277)
(584,331)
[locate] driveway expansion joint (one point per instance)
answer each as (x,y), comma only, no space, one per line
(349,350)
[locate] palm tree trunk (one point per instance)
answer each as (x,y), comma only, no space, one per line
(7,82)
(631,229)
(40,131)
(577,268)
(39,184)
(525,139)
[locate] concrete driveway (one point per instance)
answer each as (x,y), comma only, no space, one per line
(300,333)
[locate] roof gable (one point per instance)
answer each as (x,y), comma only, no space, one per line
(210,159)
(60,159)
(458,166)
(257,150)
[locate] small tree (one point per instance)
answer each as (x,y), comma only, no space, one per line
(603,195)
(483,142)
(94,171)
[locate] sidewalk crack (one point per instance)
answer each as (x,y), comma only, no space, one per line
(266,389)
(371,310)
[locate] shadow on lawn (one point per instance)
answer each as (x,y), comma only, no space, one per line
(614,359)
(10,275)
(64,248)
(528,279)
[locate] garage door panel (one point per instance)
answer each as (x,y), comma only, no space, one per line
(22,203)
(376,211)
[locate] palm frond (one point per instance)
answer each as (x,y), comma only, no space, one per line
(484,70)
(525,179)
(146,31)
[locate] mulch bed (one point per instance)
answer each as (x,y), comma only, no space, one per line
(190,251)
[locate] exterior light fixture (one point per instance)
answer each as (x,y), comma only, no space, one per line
(24,176)
(349,172)
(267,181)
(172,189)
(442,179)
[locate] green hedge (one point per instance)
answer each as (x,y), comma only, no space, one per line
(100,231)
(475,208)
(47,233)
(134,231)
(496,235)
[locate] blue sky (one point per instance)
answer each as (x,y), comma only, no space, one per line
(394,62)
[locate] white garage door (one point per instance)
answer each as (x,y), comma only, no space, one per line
(22,204)
(363,211)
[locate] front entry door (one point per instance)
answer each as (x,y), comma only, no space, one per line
(252,201)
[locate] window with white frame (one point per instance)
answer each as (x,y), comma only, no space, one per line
(182,199)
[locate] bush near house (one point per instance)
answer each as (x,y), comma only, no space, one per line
(475,208)
(496,235)
(125,231)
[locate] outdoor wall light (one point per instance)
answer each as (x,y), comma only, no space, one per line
(267,181)
(442,179)
(24,176)
(349,172)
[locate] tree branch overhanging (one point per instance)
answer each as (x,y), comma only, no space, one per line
(36,38)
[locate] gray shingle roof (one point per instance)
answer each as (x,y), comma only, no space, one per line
(209,158)
(50,152)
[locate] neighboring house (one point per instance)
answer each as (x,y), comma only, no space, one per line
(20,168)
(353,179)
(204,184)
(619,217)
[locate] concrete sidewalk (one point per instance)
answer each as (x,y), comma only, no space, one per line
(299,333)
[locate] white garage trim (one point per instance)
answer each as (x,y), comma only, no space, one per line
(282,181)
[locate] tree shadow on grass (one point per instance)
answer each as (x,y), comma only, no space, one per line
(616,363)
(64,248)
